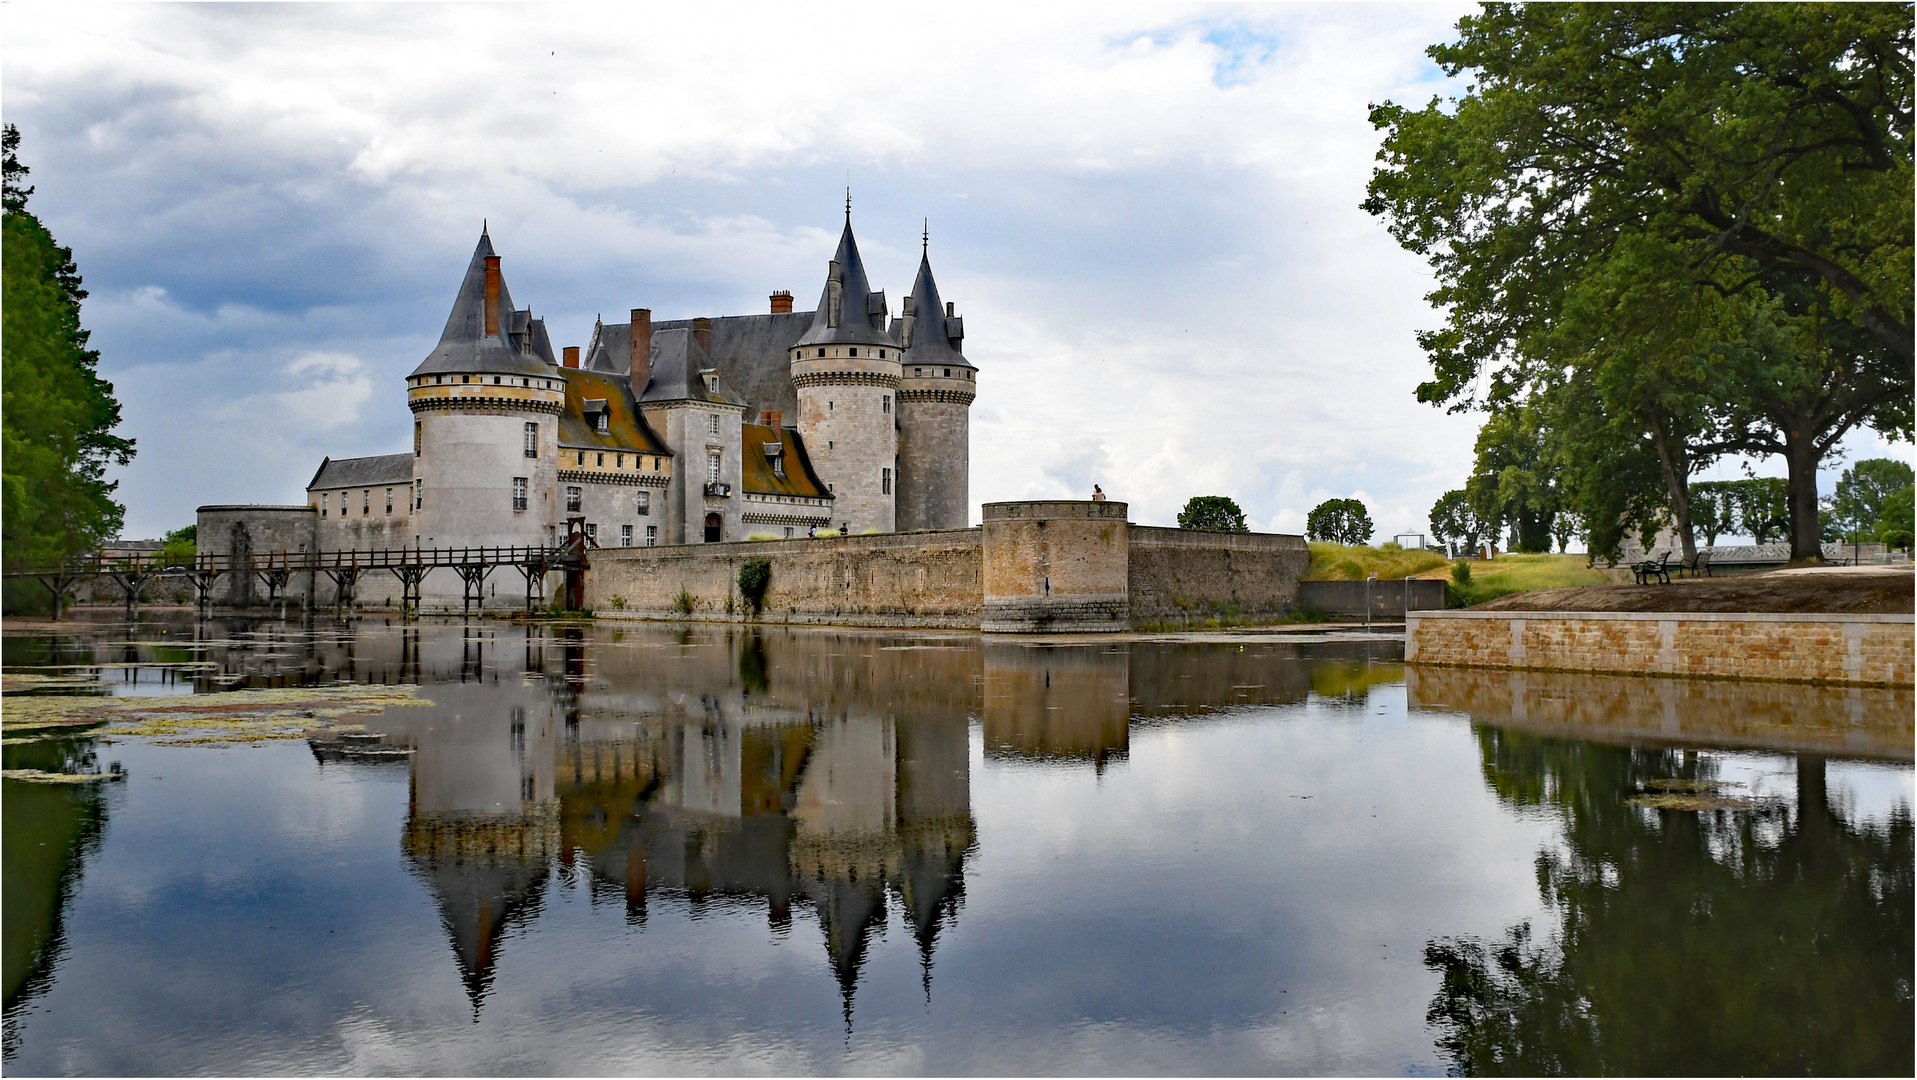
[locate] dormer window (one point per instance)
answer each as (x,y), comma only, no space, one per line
(605,424)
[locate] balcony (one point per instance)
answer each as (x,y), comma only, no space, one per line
(718,490)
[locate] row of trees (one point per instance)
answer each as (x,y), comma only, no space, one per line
(1662,234)
(58,415)
(1340,521)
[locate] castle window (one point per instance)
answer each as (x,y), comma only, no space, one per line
(885,481)
(495,380)
(828,406)
(917,371)
(592,533)
(465,378)
(601,461)
(885,404)
(854,350)
(778,467)
(712,467)
(644,507)
(881,354)
(532,440)
(582,459)
(605,423)
(419,493)
(323,502)
(625,536)
(416,438)
(712,424)
(572,499)
(821,352)
(948,373)
(366,502)
(437,379)
(652,535)
(788,532)
(389,500)
(519,494)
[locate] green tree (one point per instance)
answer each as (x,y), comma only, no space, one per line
(1763,507)
(1863,493)
(1339,521)
(1514,482)
(1212,513)
(1712,509)
(58,415)
(1898,524)
(1734,181)
(1453,522)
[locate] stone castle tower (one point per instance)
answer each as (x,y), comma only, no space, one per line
(486,405)
(936,389)
(846,373)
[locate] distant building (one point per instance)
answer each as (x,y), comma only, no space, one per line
(679,432)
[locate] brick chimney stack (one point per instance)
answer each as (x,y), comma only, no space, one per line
(572,356)
(492,295)
(639,359)
(782,302)
(702,333)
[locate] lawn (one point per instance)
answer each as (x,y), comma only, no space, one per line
(1491,579)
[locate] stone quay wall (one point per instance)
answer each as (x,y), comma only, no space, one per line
(1860,650)
(1184,576)
(1036,567)
(928,579)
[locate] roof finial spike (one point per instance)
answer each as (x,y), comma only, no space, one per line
(848,204)
(483,227)
(925,239)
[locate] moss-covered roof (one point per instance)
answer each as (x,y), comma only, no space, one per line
(756,474)
(588,392)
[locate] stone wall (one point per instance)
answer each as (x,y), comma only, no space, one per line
(894,579)
(1874,650)
(1387,598)
(939,578)
(231,531)
(1182,576)
(1055,566)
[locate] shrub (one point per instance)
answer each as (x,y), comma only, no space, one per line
(617,602)
(755,576)
(1461,573)
(764,536)
(683,603)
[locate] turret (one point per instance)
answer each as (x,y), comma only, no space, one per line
(936,389)
(486,404)
(845,372)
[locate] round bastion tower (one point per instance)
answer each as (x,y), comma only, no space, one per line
(486,410)
(845,370)
(934,411)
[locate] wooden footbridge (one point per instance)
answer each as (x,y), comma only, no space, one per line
(275,570)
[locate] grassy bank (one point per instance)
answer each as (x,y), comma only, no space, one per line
(1489,580)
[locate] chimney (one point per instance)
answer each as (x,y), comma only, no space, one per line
(782,302)
(492,295)
(639,356)
(949,311)
(702,333)
(771,419)
(908,316)
(572,356)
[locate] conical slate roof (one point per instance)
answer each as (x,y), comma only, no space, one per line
(861,312)
(936,338)
(465,346)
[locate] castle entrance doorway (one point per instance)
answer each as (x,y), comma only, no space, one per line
(714,526)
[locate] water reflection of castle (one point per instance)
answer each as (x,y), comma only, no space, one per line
(777,770)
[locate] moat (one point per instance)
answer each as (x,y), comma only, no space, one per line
(648,848)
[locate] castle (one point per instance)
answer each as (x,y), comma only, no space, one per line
(678,432)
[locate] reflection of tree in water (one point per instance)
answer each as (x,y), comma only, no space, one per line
(1755,940)
(51,831)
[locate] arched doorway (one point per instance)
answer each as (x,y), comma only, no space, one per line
(715,527)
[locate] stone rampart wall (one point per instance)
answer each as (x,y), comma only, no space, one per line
(1180,575)
(893,579)
(1871,650)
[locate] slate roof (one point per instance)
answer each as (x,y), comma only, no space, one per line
(627,429)
(861,314)
(936,337)
(755,470)
(677,363)
(752,351)
(465,346)
(360,472)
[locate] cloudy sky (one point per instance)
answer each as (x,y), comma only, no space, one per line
(1147,214)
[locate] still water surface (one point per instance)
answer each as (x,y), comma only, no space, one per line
(657,850)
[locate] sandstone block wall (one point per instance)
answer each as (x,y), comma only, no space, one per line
(1178,575)
(1055,566)
(918,579)
(232,531)
(1874,650)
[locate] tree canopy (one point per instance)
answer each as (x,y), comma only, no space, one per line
(1339,521)
(58,414)
(1861,506)
(1212,513)
(1694,219)
(1454,522)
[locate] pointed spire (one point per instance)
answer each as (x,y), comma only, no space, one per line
(925,241)
(935,337)
(859,318)
(848,206)
(465,346)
